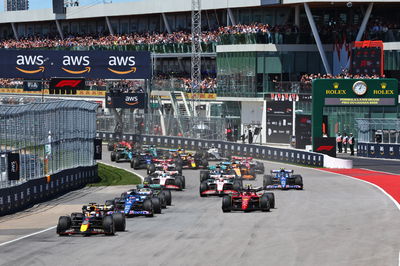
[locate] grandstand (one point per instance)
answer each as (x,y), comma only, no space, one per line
(252,51)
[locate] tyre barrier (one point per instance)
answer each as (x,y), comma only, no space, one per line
(17,198)
(376,150)
(228,148)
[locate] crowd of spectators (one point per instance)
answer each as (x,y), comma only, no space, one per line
(102,39)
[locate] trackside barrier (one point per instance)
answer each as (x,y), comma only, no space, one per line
(14,199)
(229,148)
(376,150)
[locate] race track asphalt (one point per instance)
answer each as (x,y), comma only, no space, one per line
(335,220)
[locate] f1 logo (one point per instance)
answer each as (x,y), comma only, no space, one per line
(68,83)
(325,148)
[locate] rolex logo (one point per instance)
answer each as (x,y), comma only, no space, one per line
(383,85)
(335,85)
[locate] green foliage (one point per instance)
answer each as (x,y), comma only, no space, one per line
(112,176)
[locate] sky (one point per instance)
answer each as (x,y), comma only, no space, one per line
(40,4)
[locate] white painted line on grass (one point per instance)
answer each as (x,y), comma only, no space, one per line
(113,165)
(26,236)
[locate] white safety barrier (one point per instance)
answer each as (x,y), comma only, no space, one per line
(331,162)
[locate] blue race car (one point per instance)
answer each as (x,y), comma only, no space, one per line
(282,179)
(137,202)
(141,160)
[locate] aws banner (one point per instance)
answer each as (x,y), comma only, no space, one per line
(126,100)
(38,64)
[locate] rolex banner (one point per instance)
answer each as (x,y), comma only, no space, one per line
(13,166)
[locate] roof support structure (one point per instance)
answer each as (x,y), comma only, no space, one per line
(231,17)
(166,23)
(14,28)
(317,39)
(110,29)
(59,29)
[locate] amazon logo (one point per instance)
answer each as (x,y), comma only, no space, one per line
(75,61)
(131,100)
(119,62)
(29,61)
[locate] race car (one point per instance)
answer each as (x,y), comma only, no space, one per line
(248,199)
(158,191)
(219,186)
(141,160)
(164,165)
(122,144)
(121,154)
(94,219)
(167,181)
(211,154)
(136,203)
(243,170)
(188,160)
(257,166)
(282,179)
(215,171)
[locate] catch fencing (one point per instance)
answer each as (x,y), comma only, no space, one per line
(48,138)
(151,124)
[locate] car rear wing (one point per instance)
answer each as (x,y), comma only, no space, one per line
(241,158)
(278,171)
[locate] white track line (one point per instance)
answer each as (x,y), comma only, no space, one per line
(113,165)
(50,228)
(26,236)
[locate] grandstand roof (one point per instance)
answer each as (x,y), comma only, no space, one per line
(151,7)
(122,9)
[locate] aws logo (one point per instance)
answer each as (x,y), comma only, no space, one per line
(75,61)
(121,62)
(131,100)
(24,61)
(14,166)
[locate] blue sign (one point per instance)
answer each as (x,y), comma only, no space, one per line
(42,64)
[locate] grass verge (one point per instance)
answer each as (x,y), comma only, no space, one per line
(112,176)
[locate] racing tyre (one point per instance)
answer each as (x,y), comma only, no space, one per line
(110,146)
(148,206)
(109,202)
(203,187)
(179,183)
(136,163)
(178,168)
(226,204)
(267,180)
(298,180)
(204,162)
(204,175)
(179,162)
(113,156)
(264,203)
(64,223)
(151,169)
(108,225)
(271,198)
(168,197)
(252,172)
(156,205)
(237,185)
(163,201)
(183,182)
(147,179)
(119,221)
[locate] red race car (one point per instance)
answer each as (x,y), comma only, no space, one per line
(249,199)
